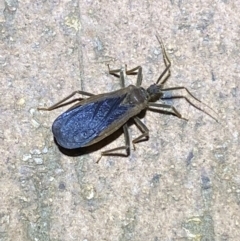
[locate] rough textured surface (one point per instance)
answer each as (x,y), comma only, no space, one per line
(183,184)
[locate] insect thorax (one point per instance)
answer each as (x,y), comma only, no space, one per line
(136,95)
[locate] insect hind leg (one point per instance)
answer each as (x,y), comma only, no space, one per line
(112,152)
(61,102)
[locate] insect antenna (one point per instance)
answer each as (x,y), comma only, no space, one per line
(167,63)
(166,74)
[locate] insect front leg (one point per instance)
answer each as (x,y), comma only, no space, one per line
(112,152)
(170,109)
(188,99)
(61,102)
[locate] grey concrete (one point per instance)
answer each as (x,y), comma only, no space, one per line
(182,184)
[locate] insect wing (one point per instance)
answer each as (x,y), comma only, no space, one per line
(79,126)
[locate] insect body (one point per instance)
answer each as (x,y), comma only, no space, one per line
(98,116)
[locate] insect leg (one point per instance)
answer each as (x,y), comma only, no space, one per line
(60,103)
(138,73)
(161,79)
(188,100)
(115,72)
(112,152)
(135,71)
(145,132)
(170,109)
(128,72)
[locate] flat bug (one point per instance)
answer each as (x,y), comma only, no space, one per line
(98,116)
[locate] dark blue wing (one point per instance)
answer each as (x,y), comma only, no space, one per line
(79,126)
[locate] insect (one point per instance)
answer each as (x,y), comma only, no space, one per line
(92,119)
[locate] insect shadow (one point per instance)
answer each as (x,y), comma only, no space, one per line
(94,121)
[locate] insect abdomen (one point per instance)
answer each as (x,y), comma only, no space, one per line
(78,127)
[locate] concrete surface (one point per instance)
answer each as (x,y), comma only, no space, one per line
(182,184)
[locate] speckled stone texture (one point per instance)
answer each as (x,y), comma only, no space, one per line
(182,184)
